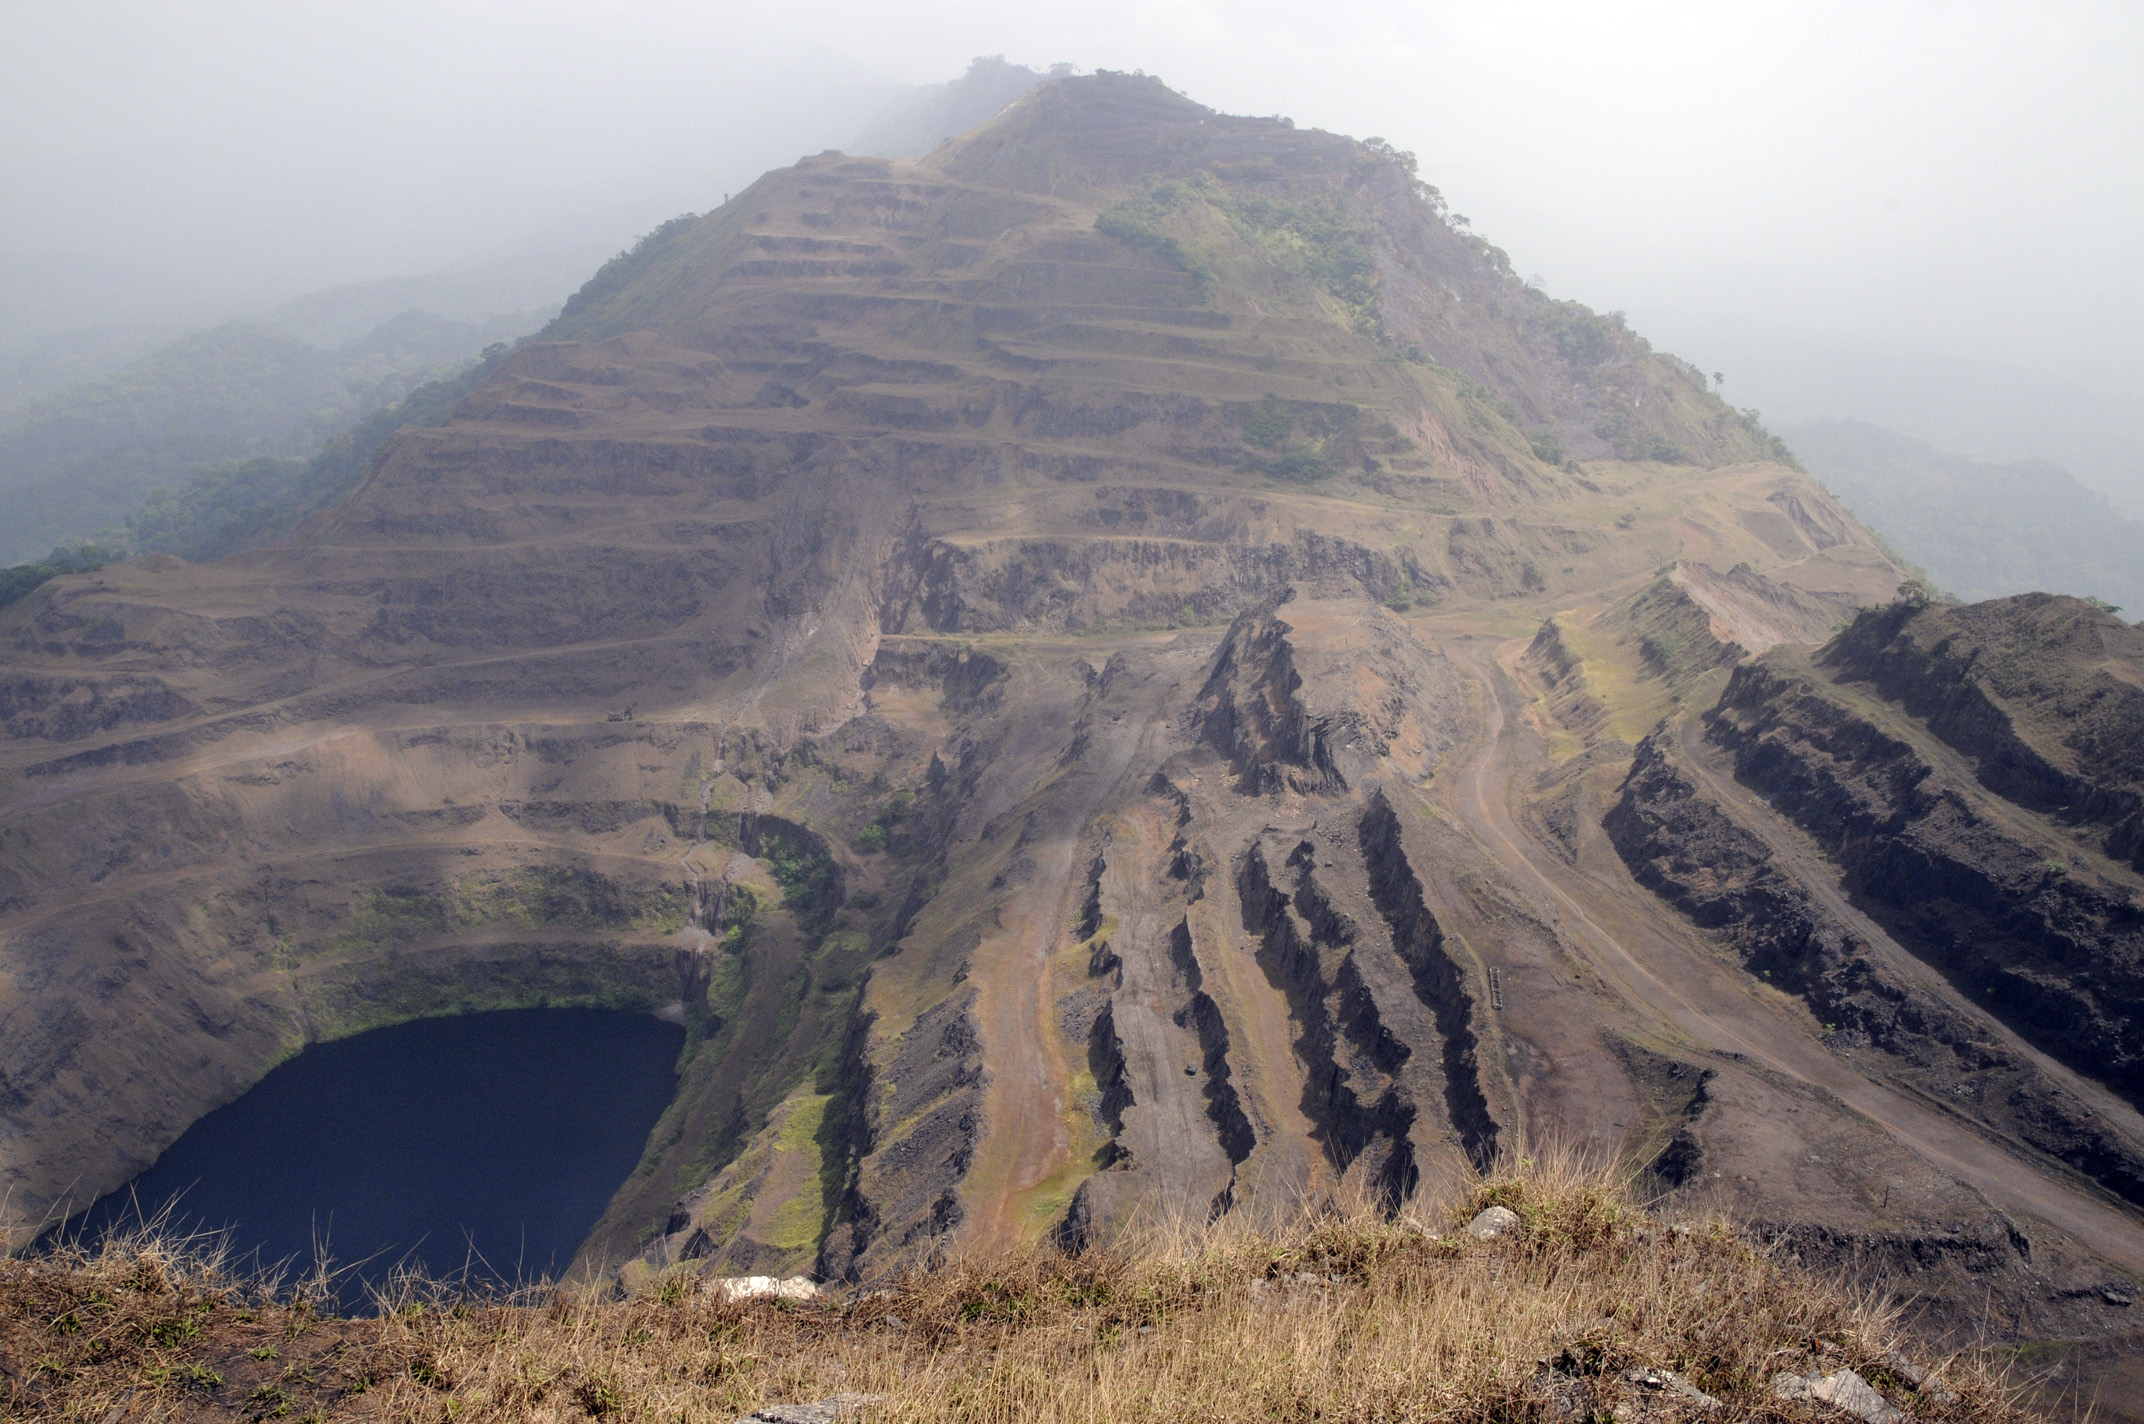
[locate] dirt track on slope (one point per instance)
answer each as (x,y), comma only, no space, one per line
(1658,964)
(1025,1139)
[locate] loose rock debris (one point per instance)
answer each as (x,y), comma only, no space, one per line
(1669,1383)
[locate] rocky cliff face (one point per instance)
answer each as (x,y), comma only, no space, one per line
(1025,648)
(1920,831)
(1681,843)
(1891,751)
(2042,695)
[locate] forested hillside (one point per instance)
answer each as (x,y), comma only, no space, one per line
(244,504)
(1982,530)
(79,462)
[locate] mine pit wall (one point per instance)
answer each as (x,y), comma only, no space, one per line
(775,1011)
(1937,685)
(1155,1017)
(1439,981)
(211,992)
(922,1129)
(1031,584)
(910,1117)
(480,905)
(1680,845)
(1251,711)
(1105,1060)
(1203,1017)
(1680,1093)
(2057,955)
(923,1124)
(1562,672)
(397,988)
(854,1219)
(1350,1095)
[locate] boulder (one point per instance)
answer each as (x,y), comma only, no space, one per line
(747,1287)
(1491,1222)
(1843,1390)
(834,1409)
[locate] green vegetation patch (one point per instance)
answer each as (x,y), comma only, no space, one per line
(1586,337)
(800,1221)
(534,897)
(1137,222)
(802,865)
(1302,443)
(740,911)
(24,579)
(875,835)
(1316,240)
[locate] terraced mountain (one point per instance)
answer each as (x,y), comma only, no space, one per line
(1090,669)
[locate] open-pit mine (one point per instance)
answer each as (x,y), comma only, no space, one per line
(1127,668)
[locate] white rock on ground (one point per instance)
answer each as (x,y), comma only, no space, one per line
(1842,1389)
(1492,1222)
(746,1287)
(835,1409)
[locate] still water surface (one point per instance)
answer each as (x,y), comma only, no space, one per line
(487,1142)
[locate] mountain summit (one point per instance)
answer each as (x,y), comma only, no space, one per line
(1092,664)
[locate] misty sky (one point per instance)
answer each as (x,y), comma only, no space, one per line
(1949,179)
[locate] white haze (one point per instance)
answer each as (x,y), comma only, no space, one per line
(1945,194)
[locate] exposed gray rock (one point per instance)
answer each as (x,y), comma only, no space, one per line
(1926,1383)
(1673,1385)
(1492,1222)
(1843,1390)
(748,1287)
(834,1409)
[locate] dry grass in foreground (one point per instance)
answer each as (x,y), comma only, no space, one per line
(1343,1316)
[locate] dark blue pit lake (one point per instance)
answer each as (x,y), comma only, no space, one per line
(486,1143)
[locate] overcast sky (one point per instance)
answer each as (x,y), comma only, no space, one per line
(1960,178)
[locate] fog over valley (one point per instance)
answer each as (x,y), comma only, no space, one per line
(1906,214)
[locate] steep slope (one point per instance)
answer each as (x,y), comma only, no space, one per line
(1973,772)
(1026,648)
(1951,886)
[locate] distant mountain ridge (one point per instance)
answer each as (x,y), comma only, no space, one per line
(919,122)
(79,457)
(79,462)
(1981,529)
(1968,401)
